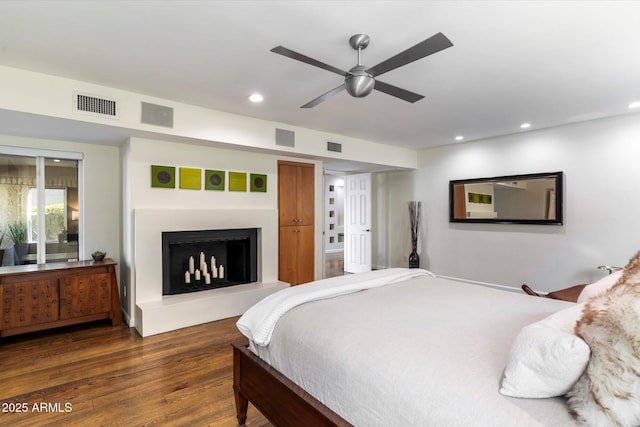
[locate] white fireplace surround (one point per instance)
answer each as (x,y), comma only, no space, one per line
(156,313)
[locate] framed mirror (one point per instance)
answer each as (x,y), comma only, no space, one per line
(516,199)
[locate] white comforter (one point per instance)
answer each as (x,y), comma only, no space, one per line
(421,352)
(258,322)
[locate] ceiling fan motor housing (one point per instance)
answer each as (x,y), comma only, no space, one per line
(359,83)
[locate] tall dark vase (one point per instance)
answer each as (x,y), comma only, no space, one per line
(414,260)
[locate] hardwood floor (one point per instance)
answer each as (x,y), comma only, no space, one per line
(99,375)
(333,264)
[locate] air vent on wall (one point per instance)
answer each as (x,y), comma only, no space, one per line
(334,146)
(285,138)
(103,107)
(158,115)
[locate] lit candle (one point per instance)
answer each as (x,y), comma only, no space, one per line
(214,272)
(197,274)
(191,266)
(201,258)
(221,273)
(207,278)
(187,277)
(213,263)
(204,268)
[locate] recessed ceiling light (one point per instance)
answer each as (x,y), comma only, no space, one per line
(525,125)
(256,97)
(56,160)
(459,138)
(634,105)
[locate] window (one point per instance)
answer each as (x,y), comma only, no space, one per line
(39,206)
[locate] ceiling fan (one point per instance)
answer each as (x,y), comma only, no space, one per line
(360,80)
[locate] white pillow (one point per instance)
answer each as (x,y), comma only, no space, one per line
(599,287)
(546,358)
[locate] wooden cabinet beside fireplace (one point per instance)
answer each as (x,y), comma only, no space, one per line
(36,297)
(296,222)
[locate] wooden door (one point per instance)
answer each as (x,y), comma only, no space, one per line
(305,195)
(287,190)
(296,203)
(357,227)
(287,254)
(459,202)
(305,242)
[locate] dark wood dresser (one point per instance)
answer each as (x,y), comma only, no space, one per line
(35,297)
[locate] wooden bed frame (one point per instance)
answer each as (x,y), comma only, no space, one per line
(279,399)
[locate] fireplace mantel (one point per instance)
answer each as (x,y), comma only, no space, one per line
(156,313)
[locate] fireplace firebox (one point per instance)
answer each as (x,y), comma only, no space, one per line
(208,259)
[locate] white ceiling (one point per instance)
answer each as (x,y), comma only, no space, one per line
(544,62)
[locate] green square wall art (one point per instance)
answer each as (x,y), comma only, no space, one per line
(190,178)
(258,183)
(214,180)
(163,176)
(237,181)
(480,198)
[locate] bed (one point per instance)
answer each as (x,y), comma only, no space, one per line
(396,347)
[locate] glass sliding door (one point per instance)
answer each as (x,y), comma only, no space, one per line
(39,208)
(17,178)
(61,209)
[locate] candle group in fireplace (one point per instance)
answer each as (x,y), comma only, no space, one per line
(203,272)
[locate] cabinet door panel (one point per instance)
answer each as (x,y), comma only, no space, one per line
(287,208)
(29,303)
(296,204)
(287,254)
(305,205)
(84,295)
(305,254)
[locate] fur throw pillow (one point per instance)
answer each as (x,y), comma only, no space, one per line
(608,392)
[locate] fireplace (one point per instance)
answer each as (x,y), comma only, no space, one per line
(208,259)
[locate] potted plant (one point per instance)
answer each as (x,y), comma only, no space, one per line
(17,231)
(98,255)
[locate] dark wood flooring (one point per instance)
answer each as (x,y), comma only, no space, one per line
(99,375)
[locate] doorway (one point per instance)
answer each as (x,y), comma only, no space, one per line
(333,224)
(357,212)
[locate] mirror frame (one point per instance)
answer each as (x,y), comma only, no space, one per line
(559,199)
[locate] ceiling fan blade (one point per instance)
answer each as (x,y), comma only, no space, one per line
(303,58)
(323,97)
(427,47)
(397,92)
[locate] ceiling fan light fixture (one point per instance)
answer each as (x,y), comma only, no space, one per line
(359,83)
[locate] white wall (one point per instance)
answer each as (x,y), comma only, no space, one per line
(600,160)
(140,154)
(36,104)
(51,96)
(391,237)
